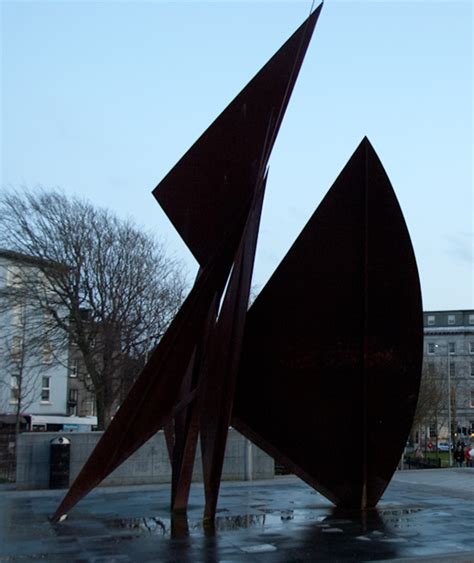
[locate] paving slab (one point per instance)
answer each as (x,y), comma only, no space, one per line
(424,515)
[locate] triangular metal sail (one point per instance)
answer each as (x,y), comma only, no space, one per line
(214,180)
(333,343)
(208,196)
(216,177)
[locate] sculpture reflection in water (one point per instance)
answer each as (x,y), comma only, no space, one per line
(332,344)
(178,525)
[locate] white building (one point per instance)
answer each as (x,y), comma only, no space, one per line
(33,365)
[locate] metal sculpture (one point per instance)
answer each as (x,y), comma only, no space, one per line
(280,372)
(213,196)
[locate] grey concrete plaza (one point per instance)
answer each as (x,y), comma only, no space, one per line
(425,515)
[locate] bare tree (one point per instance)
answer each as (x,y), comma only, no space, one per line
(431,400)
(111,291)
(20,367)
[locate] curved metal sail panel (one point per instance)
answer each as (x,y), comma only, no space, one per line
(333,344)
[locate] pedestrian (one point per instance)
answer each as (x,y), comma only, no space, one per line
(419,453)
(469,456)
(459,456)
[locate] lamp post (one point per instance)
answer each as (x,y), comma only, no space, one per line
(449,403)
(449,409)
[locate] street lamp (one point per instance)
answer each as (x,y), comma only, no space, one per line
(449,403)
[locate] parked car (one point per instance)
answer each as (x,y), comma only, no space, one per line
(443,447)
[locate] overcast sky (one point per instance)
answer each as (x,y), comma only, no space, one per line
(102,98)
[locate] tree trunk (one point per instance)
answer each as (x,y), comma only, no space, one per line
(105,410)
(17,418)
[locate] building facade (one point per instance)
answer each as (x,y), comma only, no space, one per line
(81,398)
(33,367)
(449,356)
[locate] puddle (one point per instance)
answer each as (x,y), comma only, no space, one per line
(259,548)
(400,517)
(239,522)
(398,511)
(356,523)
(149,525)
(158,526)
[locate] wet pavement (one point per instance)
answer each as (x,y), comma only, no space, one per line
(425,515)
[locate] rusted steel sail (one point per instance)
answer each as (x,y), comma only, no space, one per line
(150,403)
(216,177)
(208,196)
(217,393)
(332,353)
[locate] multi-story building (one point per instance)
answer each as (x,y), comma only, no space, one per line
(33,367)
(449,354)
(81,398)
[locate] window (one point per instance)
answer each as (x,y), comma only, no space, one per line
(45,389)
(431,369)
(14,389)
(472,398)
(472,369)
(433,431)
(14,276)
(17,347)
(431,347)
(47,353)
(471,319)
(45,281)
(48,320)
(73,395)
(74,369)
(431,320)
(18,315)
(89,407)
(452,369)
(451,319)
(452,347)
(471,347)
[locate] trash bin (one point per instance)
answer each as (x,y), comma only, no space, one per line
(59,460)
